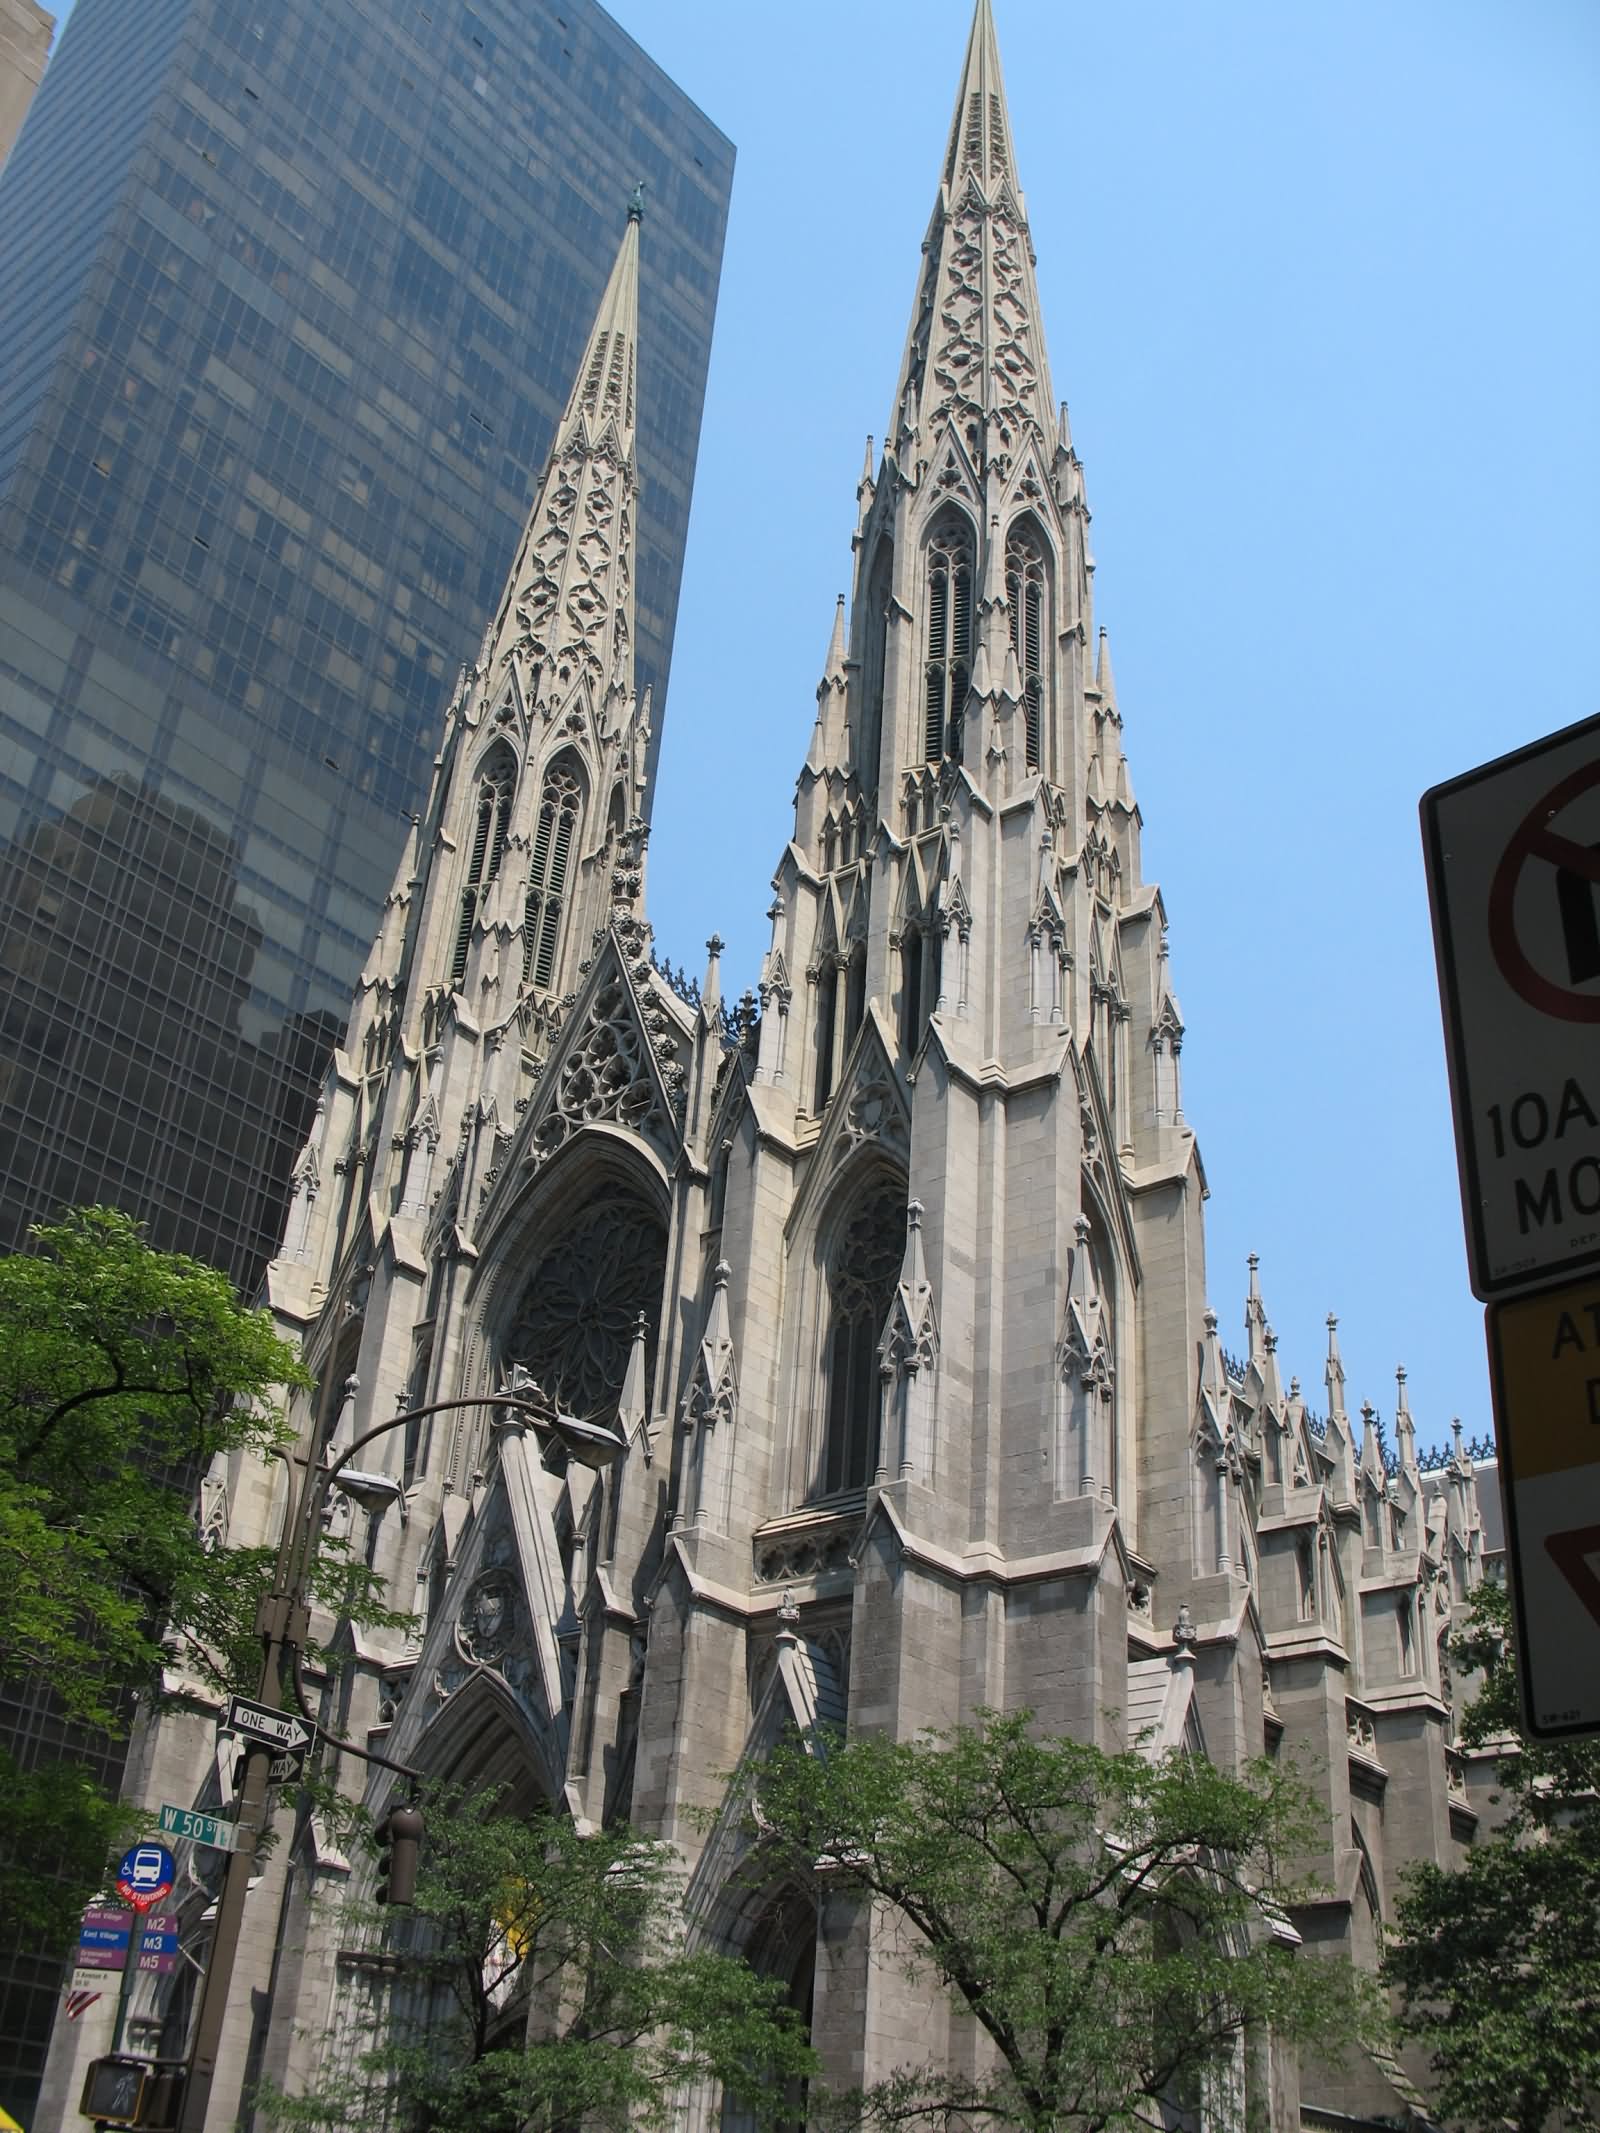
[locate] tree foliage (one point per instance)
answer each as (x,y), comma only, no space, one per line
(1498,1961)
(123,1372)
(543,1979)
(1112,1923)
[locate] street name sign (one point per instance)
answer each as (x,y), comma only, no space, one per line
(282,1730)
(1513,858)
(198,1828)
(1544,1354)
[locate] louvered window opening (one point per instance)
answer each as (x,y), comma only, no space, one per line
(949,662)
(597,365)
(492,820)
(548,870)
(1025,600)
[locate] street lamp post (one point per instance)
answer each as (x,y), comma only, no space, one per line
(283,1622)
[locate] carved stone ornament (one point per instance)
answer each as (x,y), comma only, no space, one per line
(873,1115)
(487,1625)
(605,1077)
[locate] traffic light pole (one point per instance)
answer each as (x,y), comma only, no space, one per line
(283,1623)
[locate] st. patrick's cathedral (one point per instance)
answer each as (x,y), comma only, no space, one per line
(872,1314)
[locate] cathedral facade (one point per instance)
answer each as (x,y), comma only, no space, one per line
(871,1313)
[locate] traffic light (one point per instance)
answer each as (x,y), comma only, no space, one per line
(399,1837)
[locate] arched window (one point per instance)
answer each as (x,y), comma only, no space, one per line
(1405,1611)
(949,640)
(1306,1570)
(827,1015)
(875,668)
(491,819)
(855,994)
(862,1270)
(554,836)
(1025,600)
(912,1020)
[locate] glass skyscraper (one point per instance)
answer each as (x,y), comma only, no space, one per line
(291,295)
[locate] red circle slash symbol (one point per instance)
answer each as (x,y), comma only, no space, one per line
(1577,878)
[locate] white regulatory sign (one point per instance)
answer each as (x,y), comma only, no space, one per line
(283,1729)
(1513,854)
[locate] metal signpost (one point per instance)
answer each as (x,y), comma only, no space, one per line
(1513,856)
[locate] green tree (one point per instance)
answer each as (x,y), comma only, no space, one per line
(543,1979)
(1497,1962)
(123,1371)
(1112,1922)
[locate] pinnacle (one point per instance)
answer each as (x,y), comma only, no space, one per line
(604,387)
(834,670)
(989,381)
(980,130)
(531,621)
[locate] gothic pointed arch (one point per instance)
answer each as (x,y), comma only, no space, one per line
(861,1247)
(1086,1369)
(493,786)
(617,1069)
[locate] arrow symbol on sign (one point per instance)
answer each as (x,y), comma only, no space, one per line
(1570,1552)
(281,1729)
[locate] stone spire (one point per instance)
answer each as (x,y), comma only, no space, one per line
(567,614)
(1339,1442)
(1255,1313)
(975,356)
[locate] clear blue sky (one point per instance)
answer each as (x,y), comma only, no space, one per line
(1320,283)
(1320,286)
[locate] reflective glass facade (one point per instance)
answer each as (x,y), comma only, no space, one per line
(291,294)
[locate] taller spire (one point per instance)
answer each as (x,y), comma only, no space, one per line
(980,129)
(975,355)
(603,389)
(567,613)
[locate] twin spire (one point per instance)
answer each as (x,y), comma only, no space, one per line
(568,608)
(975,355)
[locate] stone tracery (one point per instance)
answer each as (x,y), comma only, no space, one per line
(572,1326)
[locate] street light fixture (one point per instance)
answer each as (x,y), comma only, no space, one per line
(283,1623)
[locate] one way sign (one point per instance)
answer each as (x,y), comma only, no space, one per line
(282,1730)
